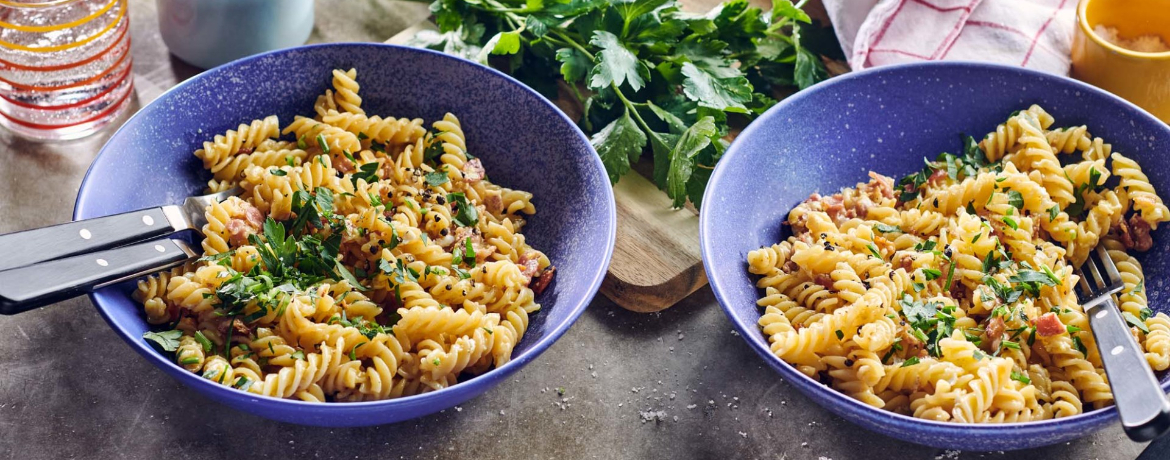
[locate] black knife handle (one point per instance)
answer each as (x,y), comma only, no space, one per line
(29,287)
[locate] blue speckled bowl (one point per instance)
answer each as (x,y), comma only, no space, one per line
(523,140)
(887,119)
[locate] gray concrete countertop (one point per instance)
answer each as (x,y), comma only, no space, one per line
(69,388)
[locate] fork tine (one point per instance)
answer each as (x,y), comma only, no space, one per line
(1085,292)
(1110,267)
(1099,281)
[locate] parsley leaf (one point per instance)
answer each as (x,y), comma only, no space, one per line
(883,228)
(618,144)
(910,361)
(616,63)
(727,94)
(574,64)
(466,214)
(167,340)
(437,178)
(696,138)
(1135,322)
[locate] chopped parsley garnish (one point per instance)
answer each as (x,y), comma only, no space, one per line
(1078,207)
(300,354)
(873,250)
(1135,322)
(840,335)
(466,214)
(1015,199)
(931,273)
(883,228)
(1053,212)
(950,276)
(433,151)
(324,146)
(367,172)
(930,321)
(1022,378)
(242,383)
(1080,346)
(189,361)
(437,178)
(353,351)
(1072,329)
(910,361)
(1009,344)
(277,172)
(203,341)
(1011,223)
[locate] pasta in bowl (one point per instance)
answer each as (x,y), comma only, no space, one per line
(375,268)
(938,307)
(368,259)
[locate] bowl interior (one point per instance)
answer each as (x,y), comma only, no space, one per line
(887,120)
(523,140)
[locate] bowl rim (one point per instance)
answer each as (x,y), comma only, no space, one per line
(813,388)
(1083,25)
(490,378)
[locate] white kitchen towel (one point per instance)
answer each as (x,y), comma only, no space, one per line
(1031,33)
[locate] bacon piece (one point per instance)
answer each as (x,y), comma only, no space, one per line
(529,264)
(473,171)
(907,262)
(1123,234)
(494,203)
(253,216)
(540,283)
(1140,232)
(342,164)
(994,331)
(1048,325)
(881,184)
(241,328)
(938,176)
(790,266)
(239,228)
(834,207)
(824,280)
(959,290)
(238,232)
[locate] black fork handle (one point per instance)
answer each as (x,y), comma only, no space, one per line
(1144,409)
(47,243)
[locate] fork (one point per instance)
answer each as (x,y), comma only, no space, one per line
(49,264)
(47,243)
(1144,409)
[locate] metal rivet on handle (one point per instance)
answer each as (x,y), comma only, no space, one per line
(85,235)
(148,220)
(1116,350)
(102,262)
(1102,313)
(160,248)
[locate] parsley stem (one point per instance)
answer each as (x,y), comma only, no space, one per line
(630,107)
(569,40)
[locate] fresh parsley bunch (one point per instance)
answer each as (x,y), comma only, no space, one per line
(646,74)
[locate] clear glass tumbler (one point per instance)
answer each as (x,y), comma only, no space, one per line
(64,66)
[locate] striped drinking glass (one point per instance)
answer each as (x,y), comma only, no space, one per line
(64,66)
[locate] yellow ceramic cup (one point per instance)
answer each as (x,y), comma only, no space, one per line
(1141,78)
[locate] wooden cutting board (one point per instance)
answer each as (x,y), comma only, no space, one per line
(656,260)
